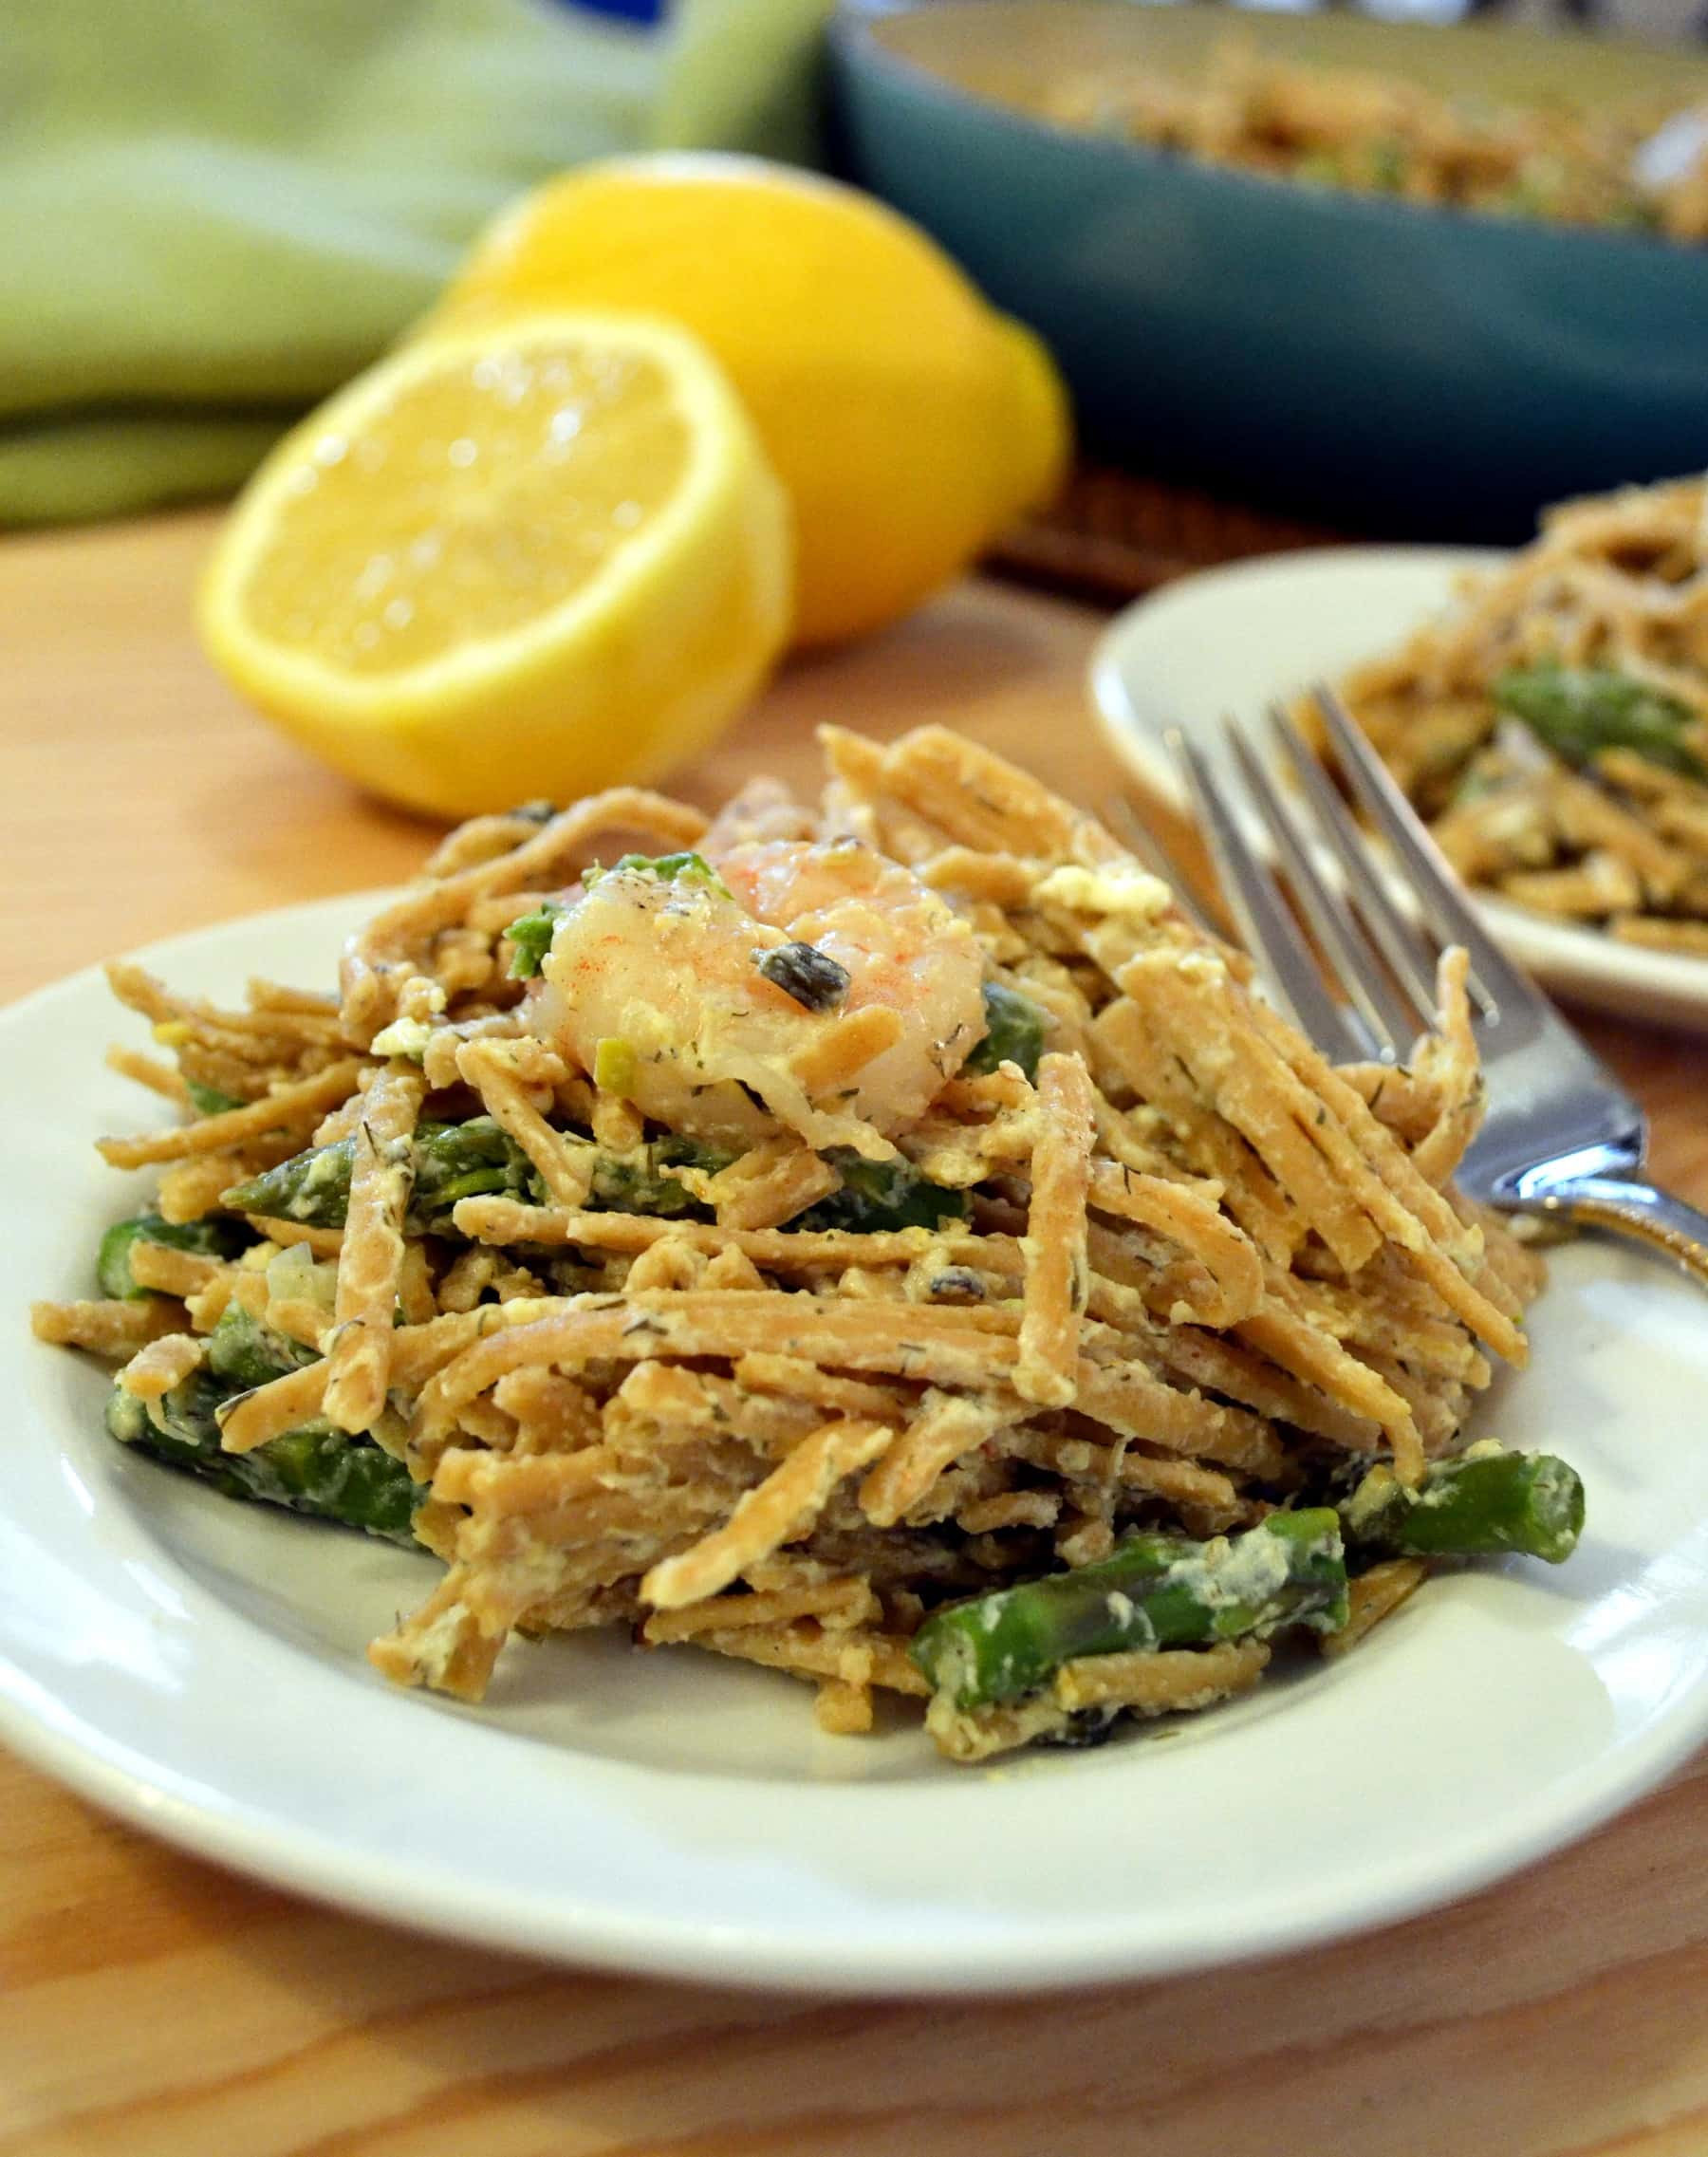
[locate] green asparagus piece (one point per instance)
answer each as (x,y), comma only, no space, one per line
(1484,1503)
(170,1429)
(213,1239)
(471,1160)
(530,935)
(1156,1591)
(208,1100)
(244,1353)
(1579,710)
(879,1195)
(311,1187)
(1013,1032)
(635,1184)
(313,1469)
(451,1162)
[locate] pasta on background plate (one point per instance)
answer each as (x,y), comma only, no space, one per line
(1553,726)
(877,1238)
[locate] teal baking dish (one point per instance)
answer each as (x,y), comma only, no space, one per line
(1396,366)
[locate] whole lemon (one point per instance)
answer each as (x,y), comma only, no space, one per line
(907,420)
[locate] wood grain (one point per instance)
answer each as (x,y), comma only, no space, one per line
(154,2006)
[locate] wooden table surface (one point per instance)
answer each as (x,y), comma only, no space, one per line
(150,2003)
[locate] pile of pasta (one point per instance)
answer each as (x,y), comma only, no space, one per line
(1195,1267)
(1383,133)
(1611,599)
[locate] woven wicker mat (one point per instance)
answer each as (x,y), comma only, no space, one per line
(1112,534)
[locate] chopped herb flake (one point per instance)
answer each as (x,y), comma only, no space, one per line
(672,868)
(530,936)
(811,976)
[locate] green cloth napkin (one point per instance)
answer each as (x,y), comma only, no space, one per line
(212,211)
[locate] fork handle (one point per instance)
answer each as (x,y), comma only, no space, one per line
(1625,1206)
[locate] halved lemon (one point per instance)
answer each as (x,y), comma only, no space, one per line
(526,561)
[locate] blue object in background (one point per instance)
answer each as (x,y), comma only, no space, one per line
(632,11)
(1388,364)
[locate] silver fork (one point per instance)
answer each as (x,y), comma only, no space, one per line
(1560,1136)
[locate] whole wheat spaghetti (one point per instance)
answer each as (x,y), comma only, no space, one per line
(1552,725)
(825,1223)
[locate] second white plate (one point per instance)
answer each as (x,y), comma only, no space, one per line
(1229,641)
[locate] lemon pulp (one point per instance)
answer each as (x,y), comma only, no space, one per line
(529,560)
(473,501)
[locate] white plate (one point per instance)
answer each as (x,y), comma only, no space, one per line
(1229,641)
(198,1667)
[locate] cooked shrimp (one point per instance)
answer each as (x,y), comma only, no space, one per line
(669,968)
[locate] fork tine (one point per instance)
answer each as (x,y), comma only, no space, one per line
(1266,923)
(1393,1023)
(1425,869)
(1408,960)
(1150,848)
